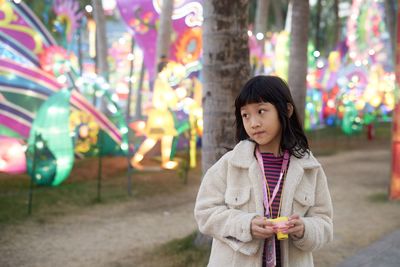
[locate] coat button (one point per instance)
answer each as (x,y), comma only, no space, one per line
(236,198)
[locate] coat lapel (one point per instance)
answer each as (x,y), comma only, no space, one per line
(243,157)
(256,178)
(292,179)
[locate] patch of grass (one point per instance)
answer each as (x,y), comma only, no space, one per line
(382,197)
(331,140)
(179,253)
(79,191)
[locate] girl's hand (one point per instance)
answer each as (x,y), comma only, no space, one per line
(261,228)
(296,227)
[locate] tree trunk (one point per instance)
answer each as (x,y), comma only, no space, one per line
(165,29)
(101,39)
(390,10)
(278,14)
(261,19)
(317,26)
(298,54)
(337,28)
(226,68)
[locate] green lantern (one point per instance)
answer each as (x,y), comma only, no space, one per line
(50,154)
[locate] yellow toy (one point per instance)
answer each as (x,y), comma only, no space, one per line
(280,223)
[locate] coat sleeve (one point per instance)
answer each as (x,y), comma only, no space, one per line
(215,219)
(318,226)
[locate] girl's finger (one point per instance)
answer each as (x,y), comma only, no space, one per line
(293,230)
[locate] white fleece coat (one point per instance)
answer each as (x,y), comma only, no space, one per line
(231,195)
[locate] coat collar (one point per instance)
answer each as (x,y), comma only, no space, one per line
(243,156)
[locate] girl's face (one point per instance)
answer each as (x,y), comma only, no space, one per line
(262,124)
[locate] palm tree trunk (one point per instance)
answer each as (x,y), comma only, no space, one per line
(165,30)
(226,68)
(317,26)
(390,19)
(337,30)
(278,15)
(298,54)
(101,39)
(261,19)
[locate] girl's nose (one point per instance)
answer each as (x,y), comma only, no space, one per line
(255,124)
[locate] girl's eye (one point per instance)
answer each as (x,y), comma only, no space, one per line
(261,111)
(244,115)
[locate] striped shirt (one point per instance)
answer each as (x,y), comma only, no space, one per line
(272,170)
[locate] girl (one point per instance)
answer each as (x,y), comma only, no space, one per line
(270,173)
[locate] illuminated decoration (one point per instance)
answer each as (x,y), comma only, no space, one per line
(120,59)
(16,27)
(142,16)
(274,60)
(12,155)
(160,123)
(313,108)
(191,11)
(85,131)
(357,80)
(394,190)
(56,60)
(189,45)
(109,6)
(25,47)
(282,54)
(351,88)
(189,116)
(94,86)
(364,30)
(68,16)
(50,154)
(91,27)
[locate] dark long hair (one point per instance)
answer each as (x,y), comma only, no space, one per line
(274,90)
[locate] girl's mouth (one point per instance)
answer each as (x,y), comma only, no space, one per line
(258,133)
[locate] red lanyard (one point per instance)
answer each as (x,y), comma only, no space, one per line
(268,199)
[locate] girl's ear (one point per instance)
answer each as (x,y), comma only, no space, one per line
(290,109)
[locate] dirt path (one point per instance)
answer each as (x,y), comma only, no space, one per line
(358,182)
(103,236)
(117,234)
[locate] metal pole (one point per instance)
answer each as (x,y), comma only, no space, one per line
(30,196)
(80,60)
(138,110)
(99,174)
(128,115)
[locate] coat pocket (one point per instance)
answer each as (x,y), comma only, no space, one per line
(237,198)
(303,199)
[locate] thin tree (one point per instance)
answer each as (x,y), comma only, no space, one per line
(101,39)
(390,19)
(297,73)
(165,29)
(317,26)
(337,26)
(260,24)
(278,14)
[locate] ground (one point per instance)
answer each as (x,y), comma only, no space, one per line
(119,234)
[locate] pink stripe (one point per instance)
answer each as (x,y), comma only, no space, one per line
(14,125)
(40,75)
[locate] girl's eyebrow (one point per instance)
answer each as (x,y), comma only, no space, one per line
(263,103)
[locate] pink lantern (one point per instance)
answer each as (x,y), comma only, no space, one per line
(12,155)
